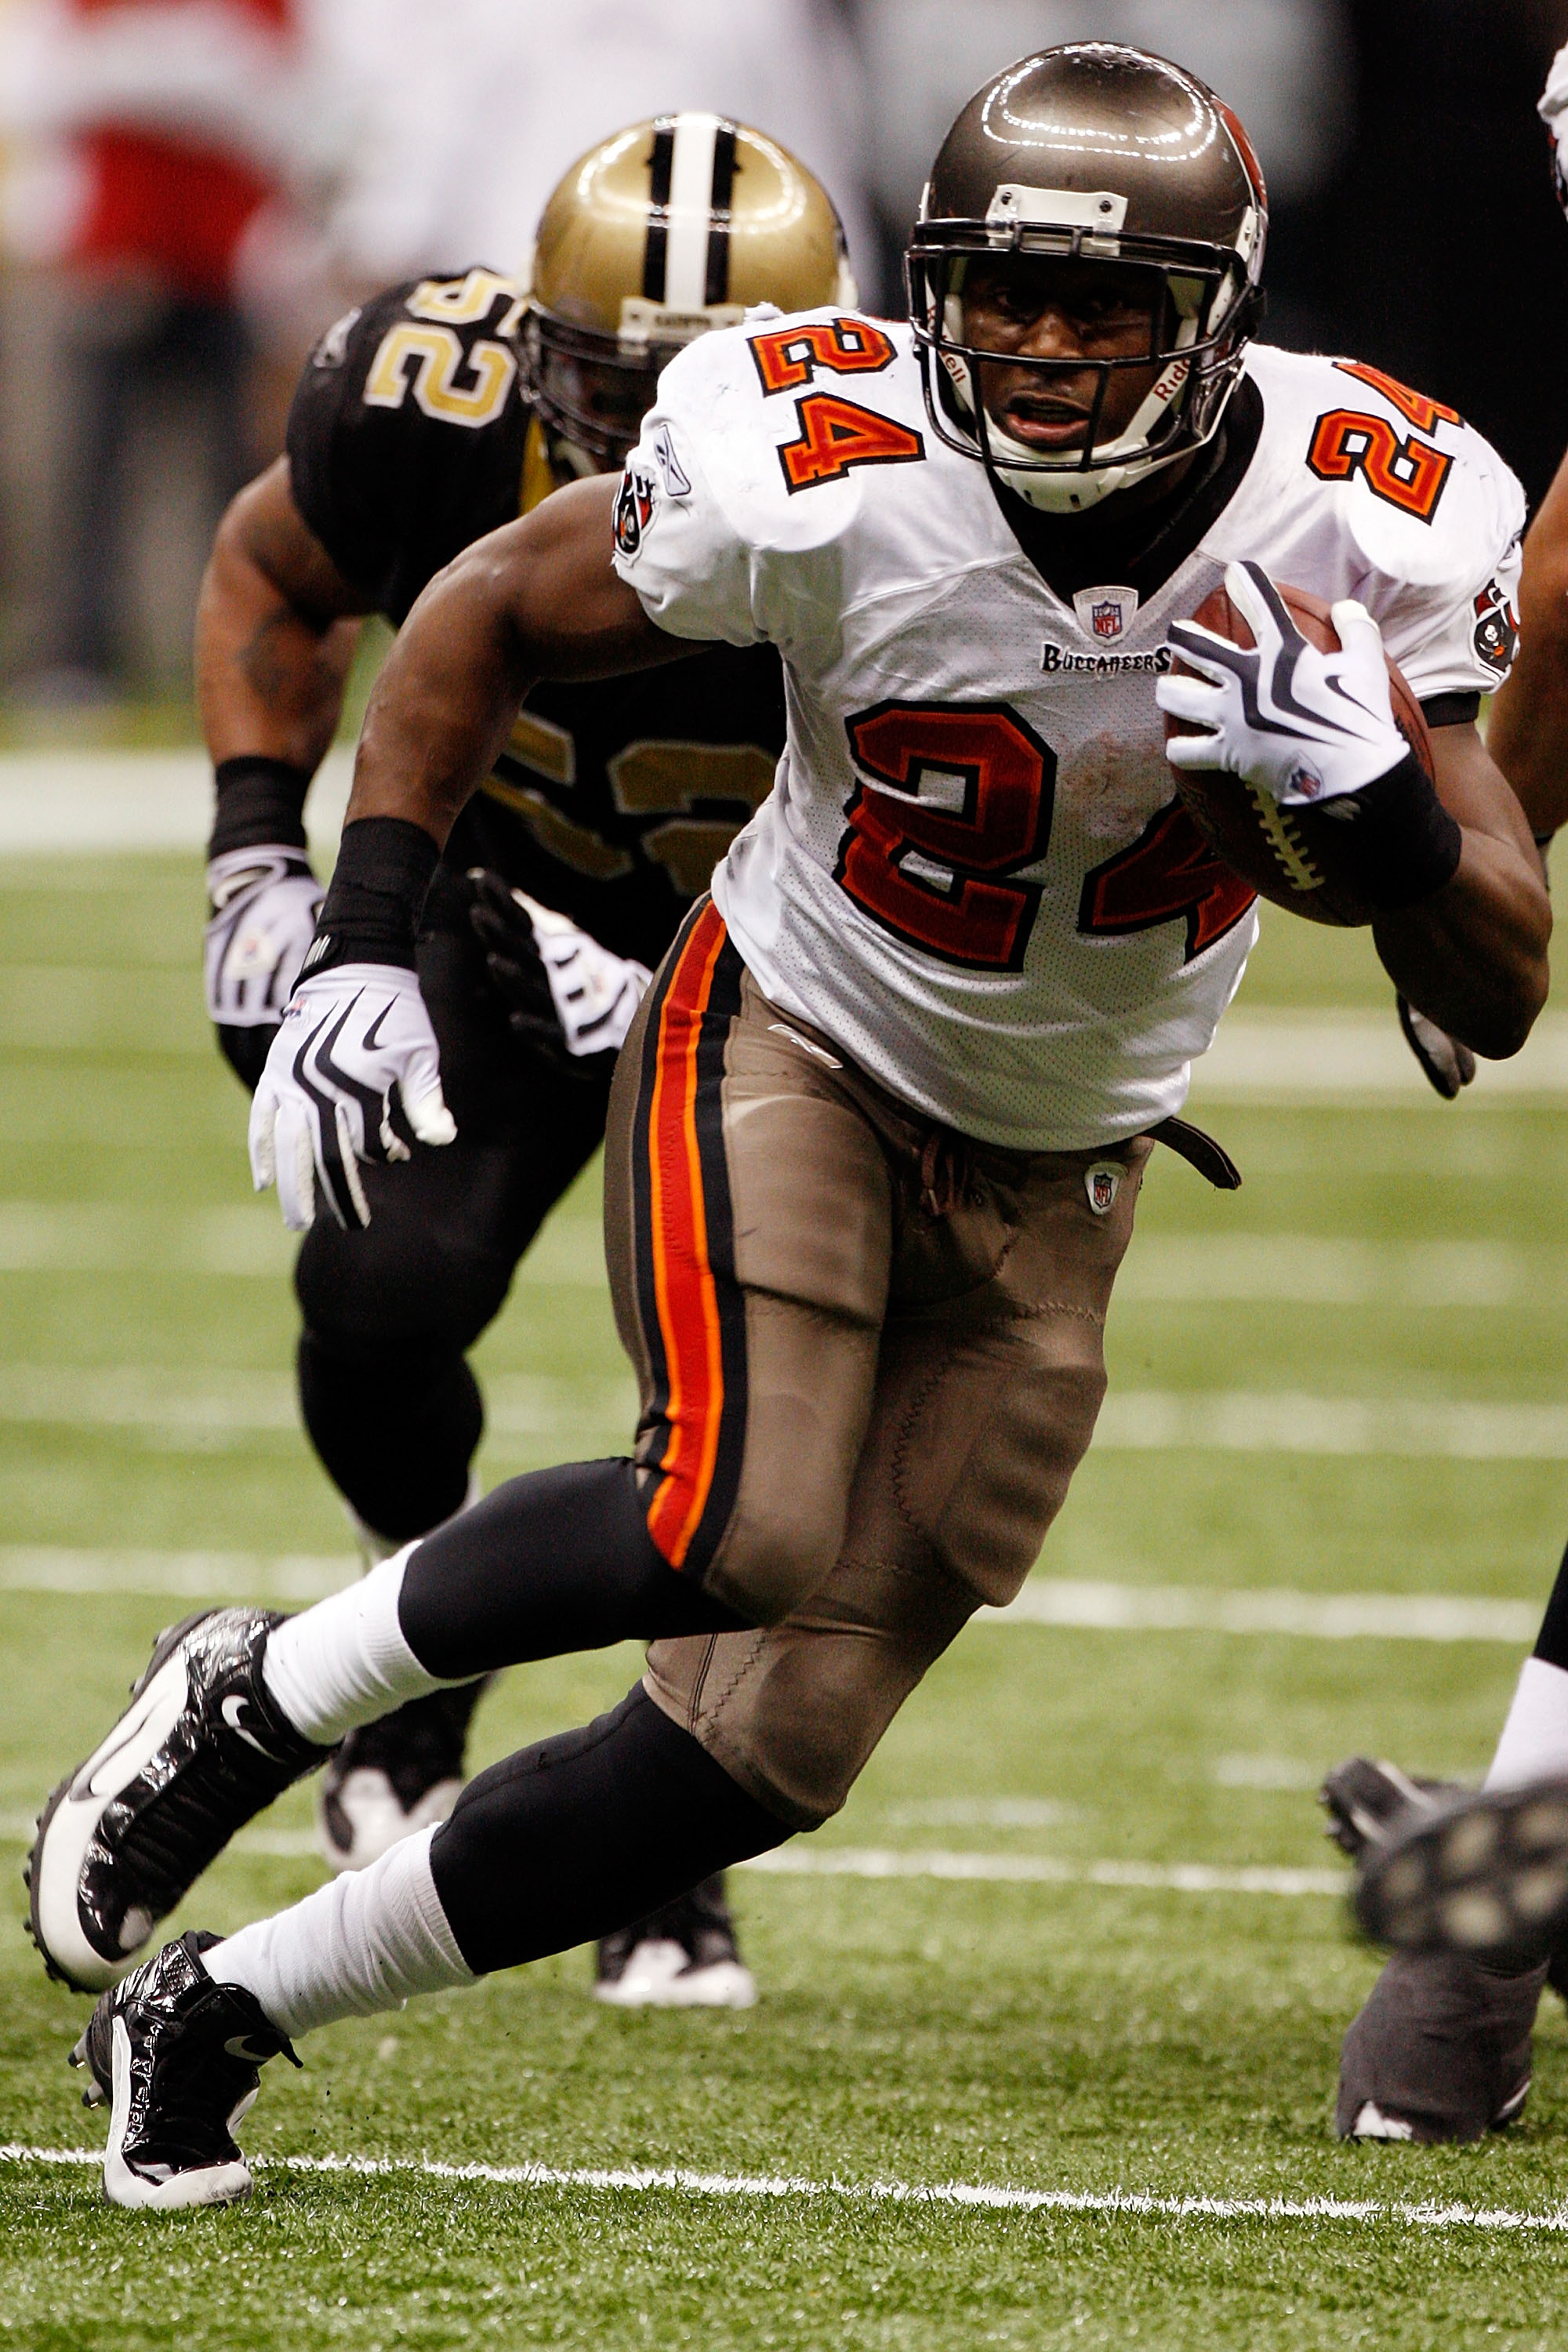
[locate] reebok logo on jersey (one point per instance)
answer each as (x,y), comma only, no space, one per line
(1064,661)
(675,477)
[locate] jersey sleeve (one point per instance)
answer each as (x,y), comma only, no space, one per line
(1456,633)
(676,541)
(405,438)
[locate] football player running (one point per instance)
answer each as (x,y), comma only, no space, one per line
(426,419)
(878,1129)
(1442,2049)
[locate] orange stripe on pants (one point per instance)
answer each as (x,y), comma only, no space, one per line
(684,1289)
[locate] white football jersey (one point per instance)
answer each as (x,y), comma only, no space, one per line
(972,873)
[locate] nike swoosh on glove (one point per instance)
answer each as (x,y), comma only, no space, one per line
(566,997)
(355,1054)
(1301,725)
(263,907)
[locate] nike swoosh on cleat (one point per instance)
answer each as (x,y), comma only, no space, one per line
(140,1734)
(232,1708)
(238,2047)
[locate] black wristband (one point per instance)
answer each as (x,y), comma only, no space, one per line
(376,894)
(259,802)
(1405,845)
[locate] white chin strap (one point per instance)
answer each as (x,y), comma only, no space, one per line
(1071,488)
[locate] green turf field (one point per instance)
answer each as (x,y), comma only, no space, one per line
(1110,2026)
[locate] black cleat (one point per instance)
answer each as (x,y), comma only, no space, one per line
(177,2058)
(1485,1875)
(1363,1800)
(1441,2051)
(682,1957)
(201,1748)
(393,1777)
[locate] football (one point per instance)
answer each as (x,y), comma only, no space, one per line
(1292,855)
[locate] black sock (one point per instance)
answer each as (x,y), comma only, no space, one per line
(396,1442)
(563,1843)
(555,1561)
(1552,1642)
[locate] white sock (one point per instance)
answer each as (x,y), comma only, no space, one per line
(345,1662)
(365,1941)
(1534,1743)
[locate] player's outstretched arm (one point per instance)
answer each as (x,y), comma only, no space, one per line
(1528,736)
(276,628)
(1472,958)
(536,600)
(354,1073)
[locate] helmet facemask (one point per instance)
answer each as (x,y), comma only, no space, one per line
(590,390)
(1201,300)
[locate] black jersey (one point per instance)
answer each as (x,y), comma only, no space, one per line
(407,439)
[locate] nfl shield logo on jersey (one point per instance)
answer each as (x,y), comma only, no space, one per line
(1102,1183)
(1105,613)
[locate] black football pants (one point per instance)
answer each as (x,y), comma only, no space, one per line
(390,1313)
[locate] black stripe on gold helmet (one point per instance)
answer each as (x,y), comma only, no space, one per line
(1096,158)
(656,235)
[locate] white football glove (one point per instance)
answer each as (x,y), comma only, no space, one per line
(264,907)
(566,997)
(355,1047)
(1304,726)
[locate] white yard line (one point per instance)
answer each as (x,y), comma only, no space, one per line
(1046,1870)
(110,1238)
(216,1406)
(86,802)
(212,1406)
(1186,1269)
(1243,1420)
(796,1861)
(1310,1616)
(960,2195)
(1044,1601)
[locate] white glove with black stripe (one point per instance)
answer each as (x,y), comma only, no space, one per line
(569,999)
(353,1074)
(1303,726)
(263,908)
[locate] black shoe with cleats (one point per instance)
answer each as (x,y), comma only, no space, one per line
(202,1748)
(1485,1875)
(176,2059)
(1441,2051)
(393,1777)
(1363,1800)
(682,1957)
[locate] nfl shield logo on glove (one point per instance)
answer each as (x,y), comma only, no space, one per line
(1102,1183)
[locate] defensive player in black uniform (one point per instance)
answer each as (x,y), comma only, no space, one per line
(423,421)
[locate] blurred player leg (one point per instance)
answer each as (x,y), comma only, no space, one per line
(390,1312)
(1441,2051)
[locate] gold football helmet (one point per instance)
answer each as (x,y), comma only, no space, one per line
(651,238)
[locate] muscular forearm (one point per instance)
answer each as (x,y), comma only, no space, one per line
(539,599)
(445,701)
(1473,959)
(273,644)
